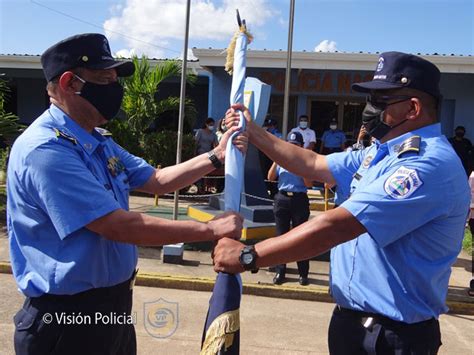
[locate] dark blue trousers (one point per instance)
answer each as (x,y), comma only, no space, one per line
(382,336)
(291,211)
(41,326)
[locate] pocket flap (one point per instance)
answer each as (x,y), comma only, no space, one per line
(23,320)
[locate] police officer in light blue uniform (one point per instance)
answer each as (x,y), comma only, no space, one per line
(70,232)
(333,139)
(397,235)
(291,208)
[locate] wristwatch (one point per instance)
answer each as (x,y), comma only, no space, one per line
(248,258)
(214,159)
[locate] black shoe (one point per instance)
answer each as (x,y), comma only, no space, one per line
(278,279)
(303,281)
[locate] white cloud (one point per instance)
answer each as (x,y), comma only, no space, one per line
(326,46)
(149,25)
(125,53)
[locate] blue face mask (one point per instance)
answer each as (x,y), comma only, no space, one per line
(303,124)
(211,127)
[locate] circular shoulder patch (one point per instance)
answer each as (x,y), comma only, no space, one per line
(403,183)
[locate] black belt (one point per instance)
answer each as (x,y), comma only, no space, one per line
(368,319)
(93,294)
(291,193)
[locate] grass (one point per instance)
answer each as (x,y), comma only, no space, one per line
(467,241)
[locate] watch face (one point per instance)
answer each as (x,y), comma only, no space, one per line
(247,259)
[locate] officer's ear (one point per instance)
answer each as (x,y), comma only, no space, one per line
(414,110)
(68,83)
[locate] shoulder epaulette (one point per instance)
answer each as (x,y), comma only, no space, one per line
(103,132)
(411,144)
(64,135)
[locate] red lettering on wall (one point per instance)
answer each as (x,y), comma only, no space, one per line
(344,83)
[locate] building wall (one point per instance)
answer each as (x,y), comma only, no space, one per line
(31,99)
(457,89)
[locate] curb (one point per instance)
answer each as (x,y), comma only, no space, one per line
(457,304)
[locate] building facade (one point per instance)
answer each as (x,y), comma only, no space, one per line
(321,86)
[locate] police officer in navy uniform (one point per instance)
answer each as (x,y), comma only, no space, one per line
(72,239)
(290,208)
(395,238)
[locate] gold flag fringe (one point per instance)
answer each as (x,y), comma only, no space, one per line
(221,332)
(229,63)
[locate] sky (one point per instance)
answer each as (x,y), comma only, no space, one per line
(156,27)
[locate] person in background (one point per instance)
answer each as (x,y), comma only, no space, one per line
(364,139)
(333,139)
(463,148)
(205,137)
(206,140)
(291,208)
(221,129)
(308,134)
(270,125)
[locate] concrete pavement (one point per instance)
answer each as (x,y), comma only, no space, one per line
(288,324)
(268,325)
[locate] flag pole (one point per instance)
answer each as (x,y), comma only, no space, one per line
(182,98)
(286,99)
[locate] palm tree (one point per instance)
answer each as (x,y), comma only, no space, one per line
(9,126)
(148,119)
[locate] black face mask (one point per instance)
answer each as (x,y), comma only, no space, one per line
(372,119)
(107,98)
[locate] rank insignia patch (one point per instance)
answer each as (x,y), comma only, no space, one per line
(63,135)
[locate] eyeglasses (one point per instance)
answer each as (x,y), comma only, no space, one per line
(384,101)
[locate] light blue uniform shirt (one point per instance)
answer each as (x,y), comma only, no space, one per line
(289,182)
(333,139)
(61,178)
(414,208)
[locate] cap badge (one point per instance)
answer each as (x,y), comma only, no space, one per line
(293,136)
(404,80)
(380,64)
(85,58)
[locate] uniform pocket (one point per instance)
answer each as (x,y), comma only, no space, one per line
(23,320)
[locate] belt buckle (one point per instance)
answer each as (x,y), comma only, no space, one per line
(289,193)
(368,322)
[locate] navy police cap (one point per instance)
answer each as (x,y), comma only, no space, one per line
(88,50)
(397,70)
(295,138)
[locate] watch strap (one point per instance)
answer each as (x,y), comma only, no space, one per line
(214,159)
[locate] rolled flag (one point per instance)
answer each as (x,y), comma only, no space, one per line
(222,329)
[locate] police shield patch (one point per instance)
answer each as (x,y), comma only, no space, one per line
(160,318)
(403,183)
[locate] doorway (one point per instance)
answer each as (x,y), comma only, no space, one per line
(322,112)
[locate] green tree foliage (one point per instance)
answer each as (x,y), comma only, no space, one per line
(150,127)
(9,126)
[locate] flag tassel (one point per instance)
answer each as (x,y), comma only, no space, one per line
(221,333)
